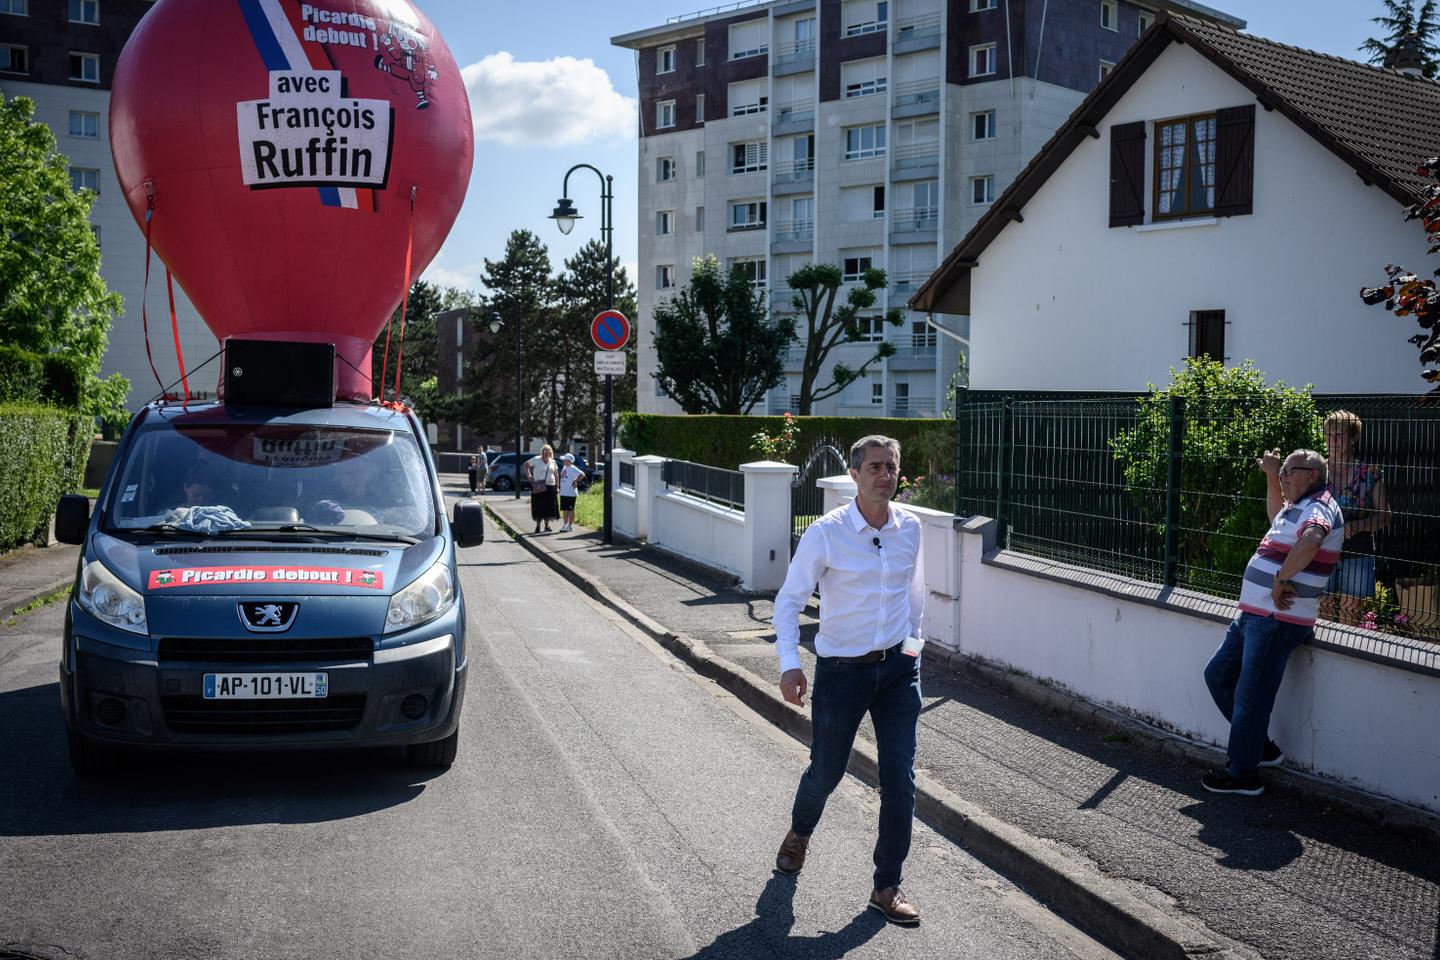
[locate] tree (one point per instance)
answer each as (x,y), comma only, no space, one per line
(718,349)
(1401,22)
(419,355)
(580,295)
(827,326)
(52,297)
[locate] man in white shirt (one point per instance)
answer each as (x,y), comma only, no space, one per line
(865,557)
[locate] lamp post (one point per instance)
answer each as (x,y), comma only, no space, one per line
(495,324)
(565,216)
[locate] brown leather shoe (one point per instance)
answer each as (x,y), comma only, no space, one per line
(896,908)
(792,853)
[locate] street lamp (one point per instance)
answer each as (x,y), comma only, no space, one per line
(495,324)
(565,216)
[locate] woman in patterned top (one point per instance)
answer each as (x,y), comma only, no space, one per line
(1360,489)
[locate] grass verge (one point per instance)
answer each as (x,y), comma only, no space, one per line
(590,507)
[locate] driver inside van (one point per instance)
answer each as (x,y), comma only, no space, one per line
(200,485)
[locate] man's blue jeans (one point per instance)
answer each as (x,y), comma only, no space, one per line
(844,692)
(1244,676)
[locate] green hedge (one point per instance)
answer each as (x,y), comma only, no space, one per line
(926,446)
(50,379)
(42,455)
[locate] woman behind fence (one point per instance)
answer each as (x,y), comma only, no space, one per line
(543,474)
(1360,489)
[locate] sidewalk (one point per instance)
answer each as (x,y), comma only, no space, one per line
(31,573)
(1110,830)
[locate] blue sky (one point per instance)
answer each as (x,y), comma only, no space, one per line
(548,91)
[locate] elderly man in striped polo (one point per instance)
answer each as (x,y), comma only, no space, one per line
(1279,600)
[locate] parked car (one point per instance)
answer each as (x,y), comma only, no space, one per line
(502,472)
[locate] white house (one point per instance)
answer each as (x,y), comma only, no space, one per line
(1218,194)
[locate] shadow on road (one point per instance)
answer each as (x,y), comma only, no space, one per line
(40,796)
(768,935)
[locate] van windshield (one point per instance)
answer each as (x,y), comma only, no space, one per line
(227,476)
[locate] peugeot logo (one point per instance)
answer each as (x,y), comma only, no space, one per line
(267,616)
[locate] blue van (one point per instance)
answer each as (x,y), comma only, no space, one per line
(258,577)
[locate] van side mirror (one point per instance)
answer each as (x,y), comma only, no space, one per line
(72,518)
(468,527)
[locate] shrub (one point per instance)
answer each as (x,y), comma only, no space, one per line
(42,455)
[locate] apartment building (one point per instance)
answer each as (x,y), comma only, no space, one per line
(855,132)
(62,54)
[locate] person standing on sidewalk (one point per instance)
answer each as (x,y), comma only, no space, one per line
(865,557)
(1279,600)
(570,476)
(542,473)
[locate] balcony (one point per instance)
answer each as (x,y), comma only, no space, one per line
(917,33)
(791,231)
(794,52)
(915,98)
(917,155)
(902,285)
(915,345)
(779,406)
(794,115)
(912,407)
(795,171)
(916,219)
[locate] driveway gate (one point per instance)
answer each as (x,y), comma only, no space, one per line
(807,501)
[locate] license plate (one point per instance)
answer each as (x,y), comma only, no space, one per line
(266,686)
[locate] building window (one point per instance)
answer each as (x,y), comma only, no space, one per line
(699,108)
(664,223)
(664,276)
(750,39)
(1147,17)
(863,78)
(1207,334)
(982,60)
(84,178)
(1106,68)
(14,59)
(872,328)
(747,215)
(877,393)
(748,96)
(982,125)
(664,59)
(866,141)
(700,52)
(753,269)
(750,157)
(866,16)
(85,66)
(982,189)
(699,219)
(853,266)
(877,203)
(859,204)
(665,114)
(664,169)
(1185,166)
(699,163)
(16,8)
(1110,14)
(84,125)
(978,6)
(84,11)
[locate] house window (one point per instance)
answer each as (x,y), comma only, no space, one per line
(982,60)
(863,78)
(1207,334)
(665,114)
(664,59)
(699,219)
(753,269)
(748,96)
(16,8)
(1147,17)
(872,328)
(700,52)
(699,108)
(750,157)
(747,215)
(982,125)
(664,276)
(866,141)
(877,393)
(1106,68)
(1110,14)
(982,189)
(750,39)
(664,169)
(14,59)
(1185,166)
(664,223)
(866,16)
(84,11)
(84,125)
(85,66)
(85,178)
(853,265)
(699,163)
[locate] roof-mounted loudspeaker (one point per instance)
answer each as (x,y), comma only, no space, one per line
(279,373)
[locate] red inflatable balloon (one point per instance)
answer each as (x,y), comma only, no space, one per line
(293,153)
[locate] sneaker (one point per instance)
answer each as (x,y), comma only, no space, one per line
(1220,781)
(896,908)
(1272,755)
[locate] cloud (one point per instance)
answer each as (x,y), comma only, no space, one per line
(555,102)
(464,278)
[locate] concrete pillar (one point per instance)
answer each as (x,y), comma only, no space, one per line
(623,522)
(838,489)
(648,485)
(767,524)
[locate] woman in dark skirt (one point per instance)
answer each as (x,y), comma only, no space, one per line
(543,474)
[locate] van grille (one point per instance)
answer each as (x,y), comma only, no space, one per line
(265,650)
(272,548)
(239,717)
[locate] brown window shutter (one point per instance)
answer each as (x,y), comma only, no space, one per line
(1235,161)
(1127,174)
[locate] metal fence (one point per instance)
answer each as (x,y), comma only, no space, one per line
(1052,470)
(725,487)
(627,474)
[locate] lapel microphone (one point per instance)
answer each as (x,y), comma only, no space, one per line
(876,541)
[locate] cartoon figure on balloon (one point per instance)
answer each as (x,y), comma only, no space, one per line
(406,56)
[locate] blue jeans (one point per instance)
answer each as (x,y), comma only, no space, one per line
(1244,675)
(844,692)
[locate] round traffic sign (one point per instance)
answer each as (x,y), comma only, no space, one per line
(610,330)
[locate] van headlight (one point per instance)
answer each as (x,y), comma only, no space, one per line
(430,595)
(104,597)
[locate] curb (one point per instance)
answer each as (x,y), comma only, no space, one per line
(1112,912)
(11,605)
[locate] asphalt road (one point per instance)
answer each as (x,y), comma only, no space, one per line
(607,802)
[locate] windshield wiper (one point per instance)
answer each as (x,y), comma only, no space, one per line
(341,534)
(166,528)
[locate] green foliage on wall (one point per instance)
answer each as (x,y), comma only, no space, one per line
(42,455)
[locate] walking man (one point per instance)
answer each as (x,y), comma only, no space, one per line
(1279,600)
(865,557)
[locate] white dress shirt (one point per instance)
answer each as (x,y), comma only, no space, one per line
(871,597)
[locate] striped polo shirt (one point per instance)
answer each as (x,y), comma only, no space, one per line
(1319,509)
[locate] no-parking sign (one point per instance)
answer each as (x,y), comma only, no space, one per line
(610,330)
